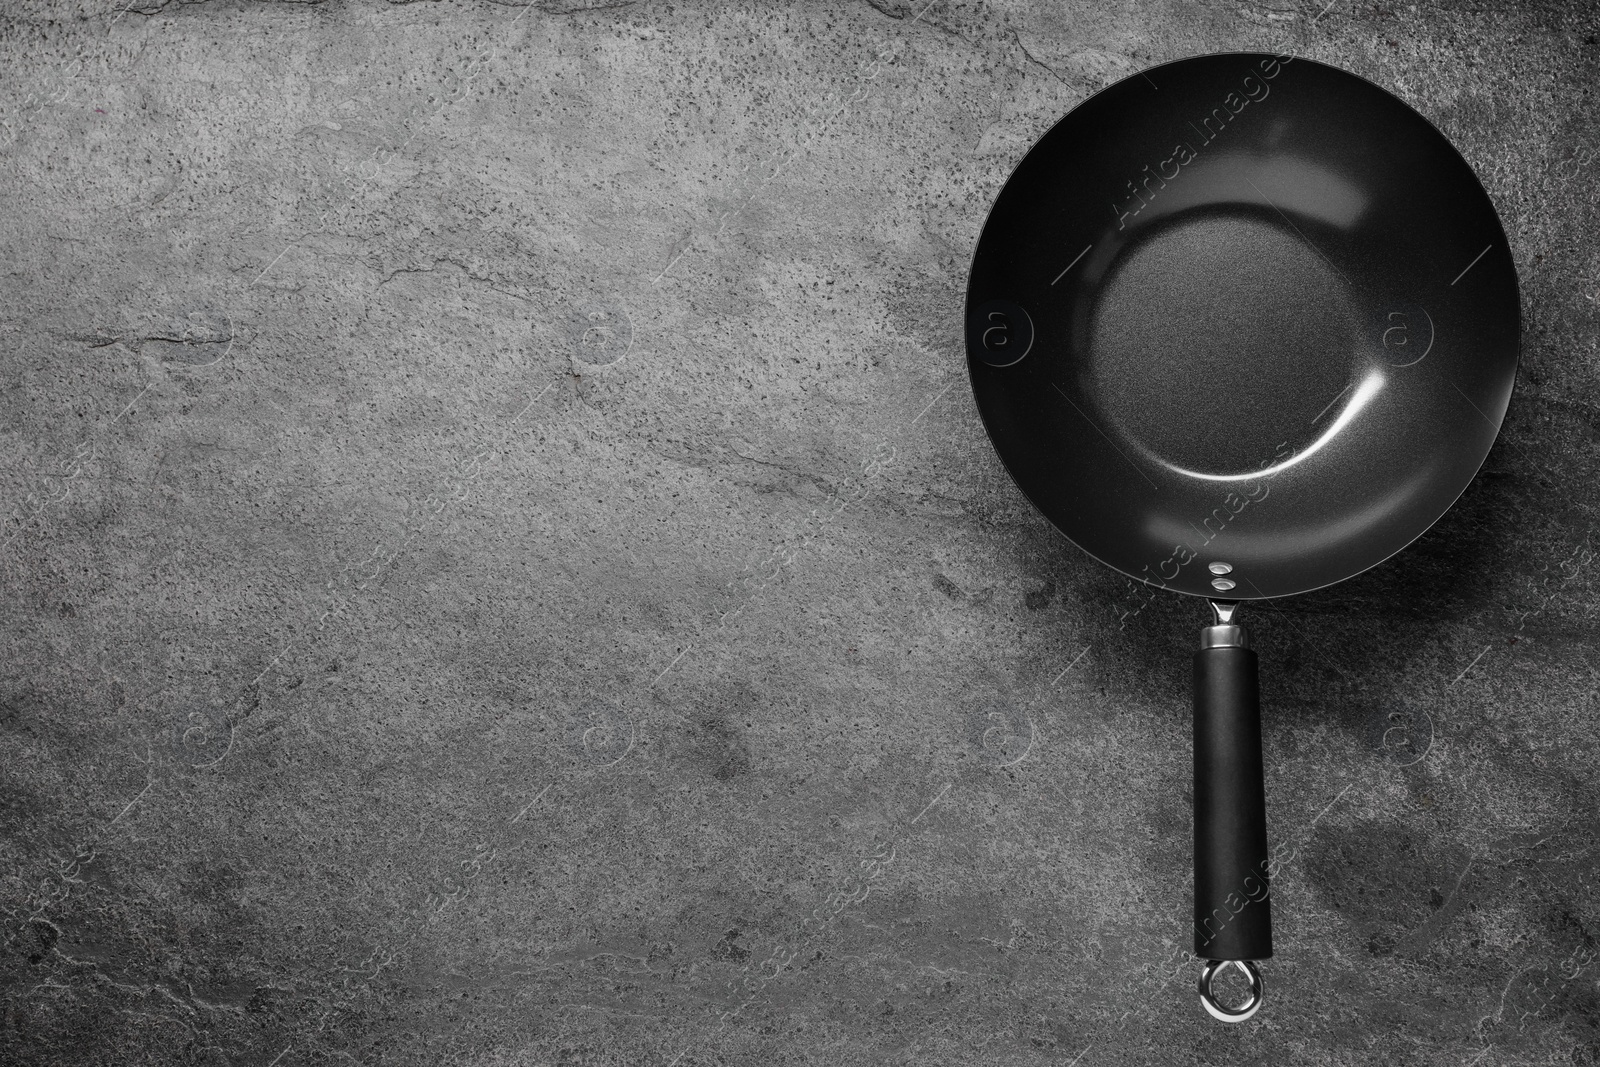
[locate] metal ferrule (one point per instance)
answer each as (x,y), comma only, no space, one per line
(1229,635)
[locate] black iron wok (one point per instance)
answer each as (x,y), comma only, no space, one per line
(1241,326)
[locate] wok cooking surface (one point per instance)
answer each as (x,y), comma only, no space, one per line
(1243,328)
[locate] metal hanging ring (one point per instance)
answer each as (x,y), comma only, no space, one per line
(1219,1011)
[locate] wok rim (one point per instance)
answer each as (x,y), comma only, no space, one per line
(1498,423)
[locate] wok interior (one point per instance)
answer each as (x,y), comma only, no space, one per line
(1219,343)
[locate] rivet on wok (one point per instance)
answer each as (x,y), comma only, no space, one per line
(1221,584)
(1221,568)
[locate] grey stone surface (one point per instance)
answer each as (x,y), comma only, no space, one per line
(502,566)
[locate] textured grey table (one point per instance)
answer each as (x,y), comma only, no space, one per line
(501,565)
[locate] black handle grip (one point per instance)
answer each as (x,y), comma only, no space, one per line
(1232,899)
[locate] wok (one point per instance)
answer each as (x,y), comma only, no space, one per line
(1241,326)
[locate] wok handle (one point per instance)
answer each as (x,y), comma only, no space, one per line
(1232,900)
